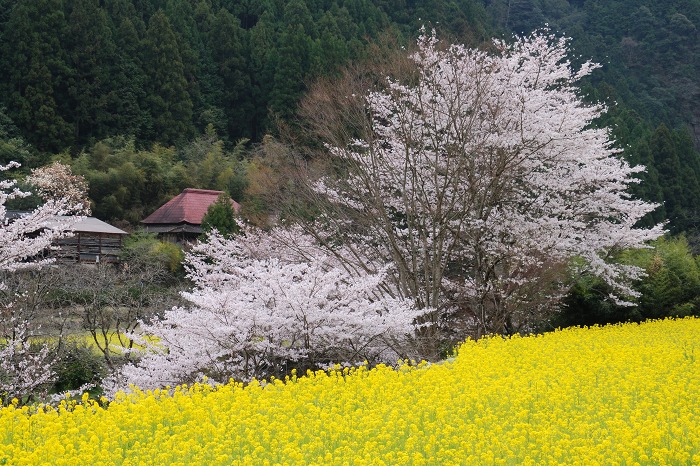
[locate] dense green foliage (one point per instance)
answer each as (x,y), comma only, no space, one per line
(671,288)
(145,247)
(128,184)
(79,71)
(220,216)
(146,98)
(77,365)
(162,71)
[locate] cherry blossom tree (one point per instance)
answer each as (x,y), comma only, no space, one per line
(259,309)
(480,176)
(28,235)
(25,367)
(58,183)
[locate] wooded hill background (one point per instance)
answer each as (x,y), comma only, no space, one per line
(125,90)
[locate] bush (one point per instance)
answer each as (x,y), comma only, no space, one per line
(77,365)
(144,250)
(171,255)
(671,288)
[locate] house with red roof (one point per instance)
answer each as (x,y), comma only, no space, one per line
(180,219)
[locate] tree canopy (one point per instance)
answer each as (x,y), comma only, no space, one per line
(478,176)
(80,72)
(221,217)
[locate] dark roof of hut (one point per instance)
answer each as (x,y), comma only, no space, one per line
(189,206)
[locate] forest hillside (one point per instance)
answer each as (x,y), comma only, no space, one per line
(155,74)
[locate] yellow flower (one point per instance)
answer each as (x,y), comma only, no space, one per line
(617,394)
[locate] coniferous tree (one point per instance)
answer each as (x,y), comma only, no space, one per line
(211,85)
(669,168)
(221,217)
(227,48)
(168,101)
(649,187)
(293,63)
(331,48)
(36,72)
(247,11)
(297,13)
(189,42)
(690,182)
(263,62)
(127,99)
(38,114)
(91,52)
(524,15)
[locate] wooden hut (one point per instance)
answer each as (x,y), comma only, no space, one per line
(93,241)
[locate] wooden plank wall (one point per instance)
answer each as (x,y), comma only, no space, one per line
(89,247)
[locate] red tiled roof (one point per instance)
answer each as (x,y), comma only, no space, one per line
(187,207)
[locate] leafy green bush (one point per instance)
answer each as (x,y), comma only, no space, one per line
(142,249)
(171,254)
(671,288)
(76,366)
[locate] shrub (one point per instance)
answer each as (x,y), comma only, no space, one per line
(671,288)
(77,365)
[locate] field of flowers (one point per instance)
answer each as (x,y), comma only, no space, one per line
(625,394)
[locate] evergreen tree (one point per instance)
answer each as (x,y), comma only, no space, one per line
(297,13)
(248,12)
(211,85)
(226,45)
(293,63)
(690,181)
(524,16)
(127,99)
(36,73)
(91,53)
(168,101)
(263,62)
(330,48)
(38,114)
(189,42)
(670,176)
(221,216)
(649,187)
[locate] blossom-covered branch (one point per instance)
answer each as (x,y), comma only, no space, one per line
(262,315)
(480,176)
(23,238)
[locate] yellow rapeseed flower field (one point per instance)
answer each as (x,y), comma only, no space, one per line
(625,394)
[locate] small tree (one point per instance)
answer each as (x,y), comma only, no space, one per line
(27,315)
(221,217)
(111,300)
(57,182)
(27,236)
(24,368)
(253,314)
